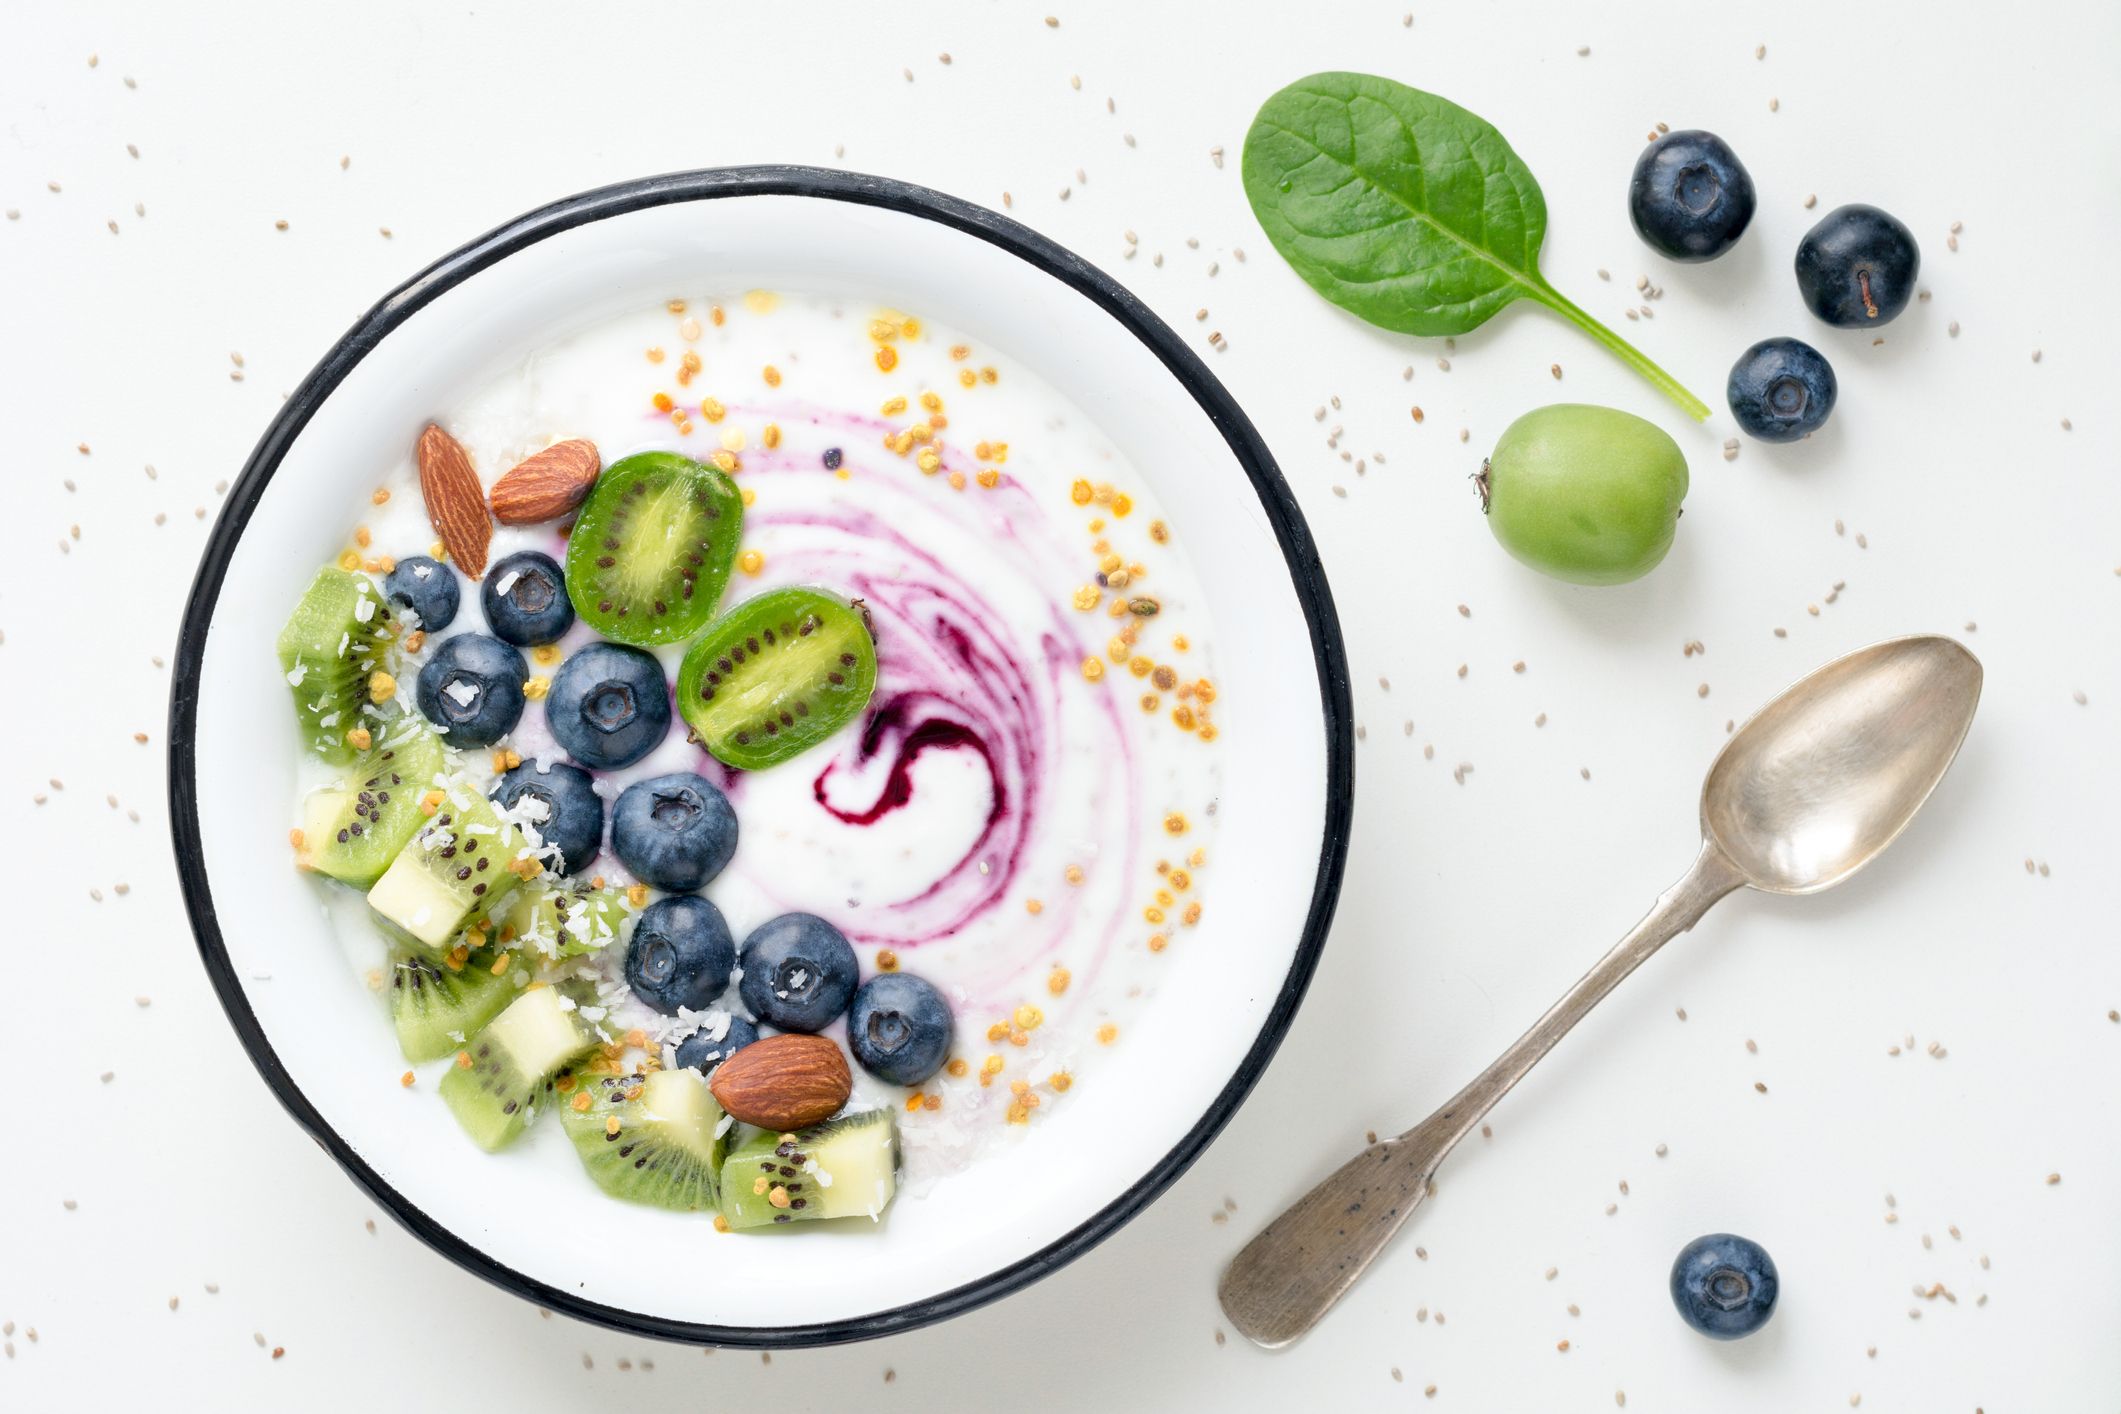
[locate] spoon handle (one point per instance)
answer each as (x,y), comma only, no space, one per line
(1289,1276)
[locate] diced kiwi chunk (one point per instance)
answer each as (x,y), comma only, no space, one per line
(846,1167)
(455,867)
(332,645)
(655,1139)
(652,548)
(560,920)
(352,831)
(776,675)
(503,1072)
(435,1006)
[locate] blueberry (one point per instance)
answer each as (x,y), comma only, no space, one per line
(525,599)
(1691,198)
(675,831)
(900,1028)
(1724,1285)
(704,1052)
(573,814)
(681,954)
(1781,390)
(473,689)
(609,705)
(1856,269)
(798,973)
(428,588)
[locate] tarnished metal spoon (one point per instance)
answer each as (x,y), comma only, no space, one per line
(1810,790)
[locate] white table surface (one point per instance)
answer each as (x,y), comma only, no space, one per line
(177,1179)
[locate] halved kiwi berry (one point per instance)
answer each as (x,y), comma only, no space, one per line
(776,675)
(332,644)
(652,549)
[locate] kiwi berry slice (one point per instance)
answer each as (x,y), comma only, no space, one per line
(333,642)
(501,1073)
(434,1006)
(652,549)
(563,919)
(846,1167)
(655,1138)
(352,831)
(457,865)
(776,675)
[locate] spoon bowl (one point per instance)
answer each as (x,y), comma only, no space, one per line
(1818,782)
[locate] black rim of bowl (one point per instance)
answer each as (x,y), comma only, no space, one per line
(1305,572)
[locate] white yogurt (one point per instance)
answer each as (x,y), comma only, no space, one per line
(1009,826)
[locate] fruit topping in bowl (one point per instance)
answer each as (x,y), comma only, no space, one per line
(331,650)
(525,599)
(609,706)
(426,590)
(656,1138)
(472,688)
(675,832)
(899,1028)
(653,547)
(681,954)
(843,1168)
(501,1073)
(777,675)
(560,802)
(799,973)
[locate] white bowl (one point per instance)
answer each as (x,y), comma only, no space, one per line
(527,1219)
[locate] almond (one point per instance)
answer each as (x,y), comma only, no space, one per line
(548,485)
(456,502)
(784,1082)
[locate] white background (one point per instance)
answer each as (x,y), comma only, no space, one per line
(1467,907)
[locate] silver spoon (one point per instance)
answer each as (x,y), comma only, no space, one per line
(1807,792)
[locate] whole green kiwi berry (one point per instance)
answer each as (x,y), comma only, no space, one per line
(1586,494)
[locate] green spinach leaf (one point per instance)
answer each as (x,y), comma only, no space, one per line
(1408,211)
